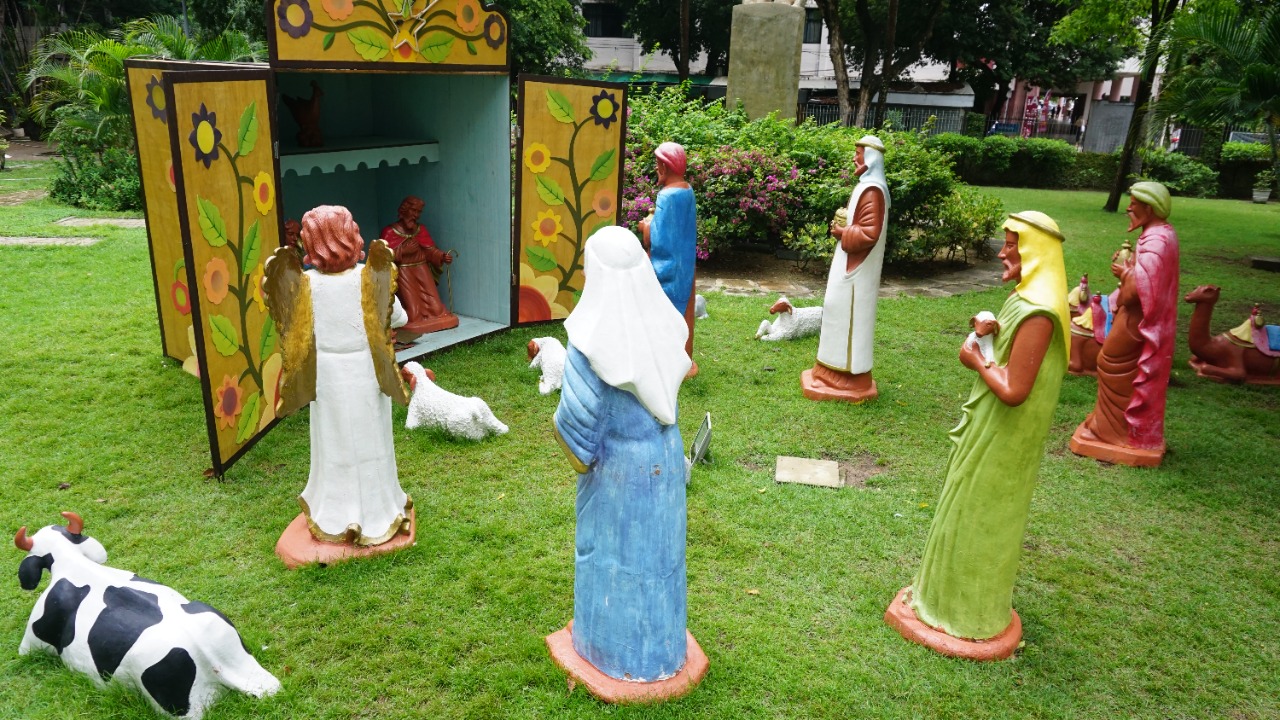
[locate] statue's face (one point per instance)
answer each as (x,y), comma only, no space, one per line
(410,213)
(1011,257)
(663,172)
(1139,213)
(860,161)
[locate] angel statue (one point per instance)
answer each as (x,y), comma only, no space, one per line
(335,322)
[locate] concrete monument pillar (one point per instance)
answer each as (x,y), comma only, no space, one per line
(764,58)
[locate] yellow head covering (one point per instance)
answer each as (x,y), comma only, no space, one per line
(1044,273)
(1155,196)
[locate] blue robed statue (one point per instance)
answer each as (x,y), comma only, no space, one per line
(616,423)
(671,234)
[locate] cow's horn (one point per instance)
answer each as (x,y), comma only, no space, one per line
(22,541)
(75,525)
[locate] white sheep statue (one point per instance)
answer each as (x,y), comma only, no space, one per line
(547,354)
(792,323)
(983,336)
(432,406)
(700,308)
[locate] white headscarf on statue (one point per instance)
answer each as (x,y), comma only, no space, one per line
(873,158)
(625,325)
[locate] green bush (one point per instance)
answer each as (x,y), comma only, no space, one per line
(1092,171)
(997,154)
(97,180)
(1242,151)
(975,124)
(773,181)
(1181,174)
(965,153)
(1041,163)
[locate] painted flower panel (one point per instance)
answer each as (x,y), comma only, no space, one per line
(494,31)
(264,193)
(468,15)
(295,17)
(338,9)
(228,402)
(205,135)
(156,100)
(404,46)
(604,108)
(538,297)
(537,158)
(604,203)
(546,227)
(217,280)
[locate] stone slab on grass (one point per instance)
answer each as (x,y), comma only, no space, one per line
(117,222)
(45,241)
(805,471)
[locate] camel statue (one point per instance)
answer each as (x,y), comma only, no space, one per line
(1227,357)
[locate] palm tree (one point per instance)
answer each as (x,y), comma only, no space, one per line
(1228,70)
(79,75)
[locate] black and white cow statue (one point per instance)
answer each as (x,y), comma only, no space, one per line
(109,623)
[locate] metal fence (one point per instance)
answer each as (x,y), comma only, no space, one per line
(1022,126)
(901,117)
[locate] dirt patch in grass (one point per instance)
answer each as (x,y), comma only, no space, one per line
(22,196)
(855,471)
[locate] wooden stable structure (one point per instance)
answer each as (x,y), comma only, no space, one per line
(415,99)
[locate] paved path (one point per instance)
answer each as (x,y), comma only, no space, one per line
(117,222)
(981,276)
(41,241)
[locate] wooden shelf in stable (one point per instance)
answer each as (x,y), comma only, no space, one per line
(357,153)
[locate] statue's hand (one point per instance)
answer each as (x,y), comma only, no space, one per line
(970,356)
(448,258)
(837,230)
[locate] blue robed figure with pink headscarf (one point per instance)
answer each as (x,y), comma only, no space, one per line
(671,235)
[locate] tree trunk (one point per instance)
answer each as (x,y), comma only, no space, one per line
(835,45)
(867,86)
(887,74)
(1161,12)
(682,66)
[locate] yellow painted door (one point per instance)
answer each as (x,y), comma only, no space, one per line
(227,179)
(151,118)
(572,137)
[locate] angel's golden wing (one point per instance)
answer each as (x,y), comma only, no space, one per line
(287,291)
(377,292)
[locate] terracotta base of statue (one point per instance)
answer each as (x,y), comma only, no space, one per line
(823,383)
(902,618)
(414,330)
(623,692)
(1086,444)
(298,547)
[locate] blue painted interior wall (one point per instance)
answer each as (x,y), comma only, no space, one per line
(467,192)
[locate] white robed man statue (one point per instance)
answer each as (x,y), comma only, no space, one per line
(843,369)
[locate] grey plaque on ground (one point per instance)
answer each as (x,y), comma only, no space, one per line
(805,471)
(701,443)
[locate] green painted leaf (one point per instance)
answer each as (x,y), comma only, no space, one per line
(178,267)
(267,344)
(604,166)
(599,226)
(225,337)
(252,250)
(328,41)
(561,108)
(577,296)
(211,224)
(548,190)
(541,259)
(247,140)
(369,43)
(250,413)
(436,46)
(471,48)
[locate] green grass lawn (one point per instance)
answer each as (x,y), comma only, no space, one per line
(1143,593)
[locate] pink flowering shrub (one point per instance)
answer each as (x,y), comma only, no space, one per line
(751,194)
